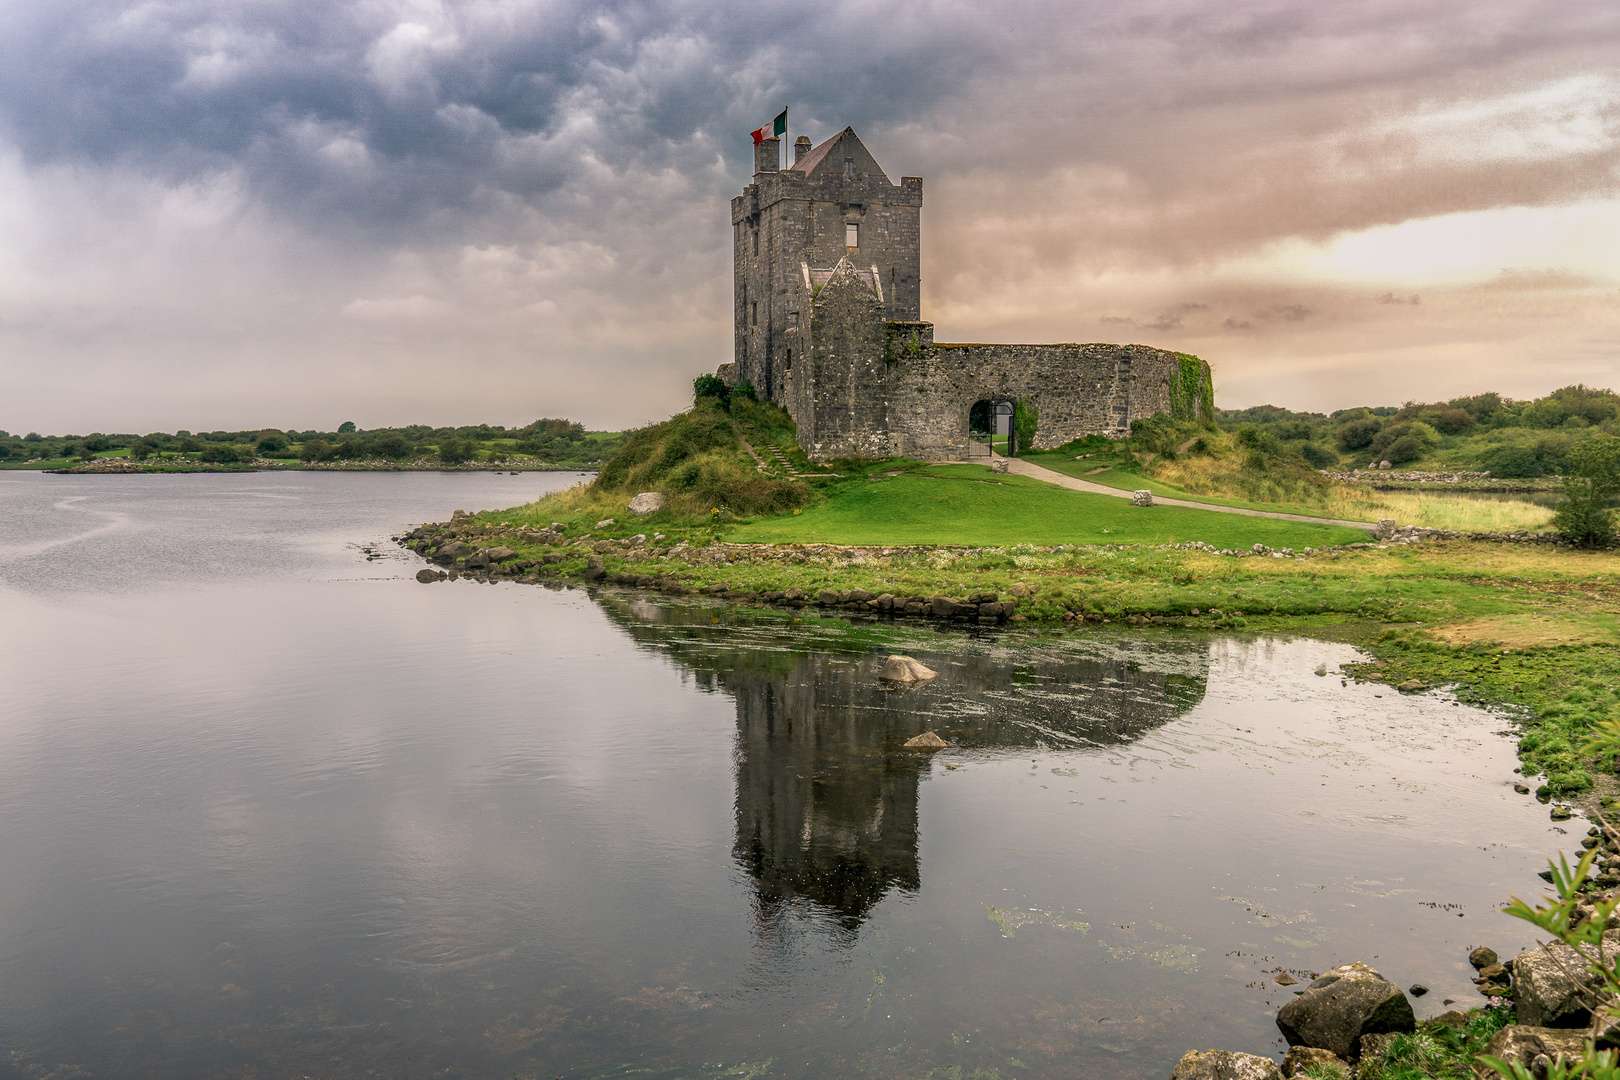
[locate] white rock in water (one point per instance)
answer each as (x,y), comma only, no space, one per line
(905,669)
(926,741)
(648,502)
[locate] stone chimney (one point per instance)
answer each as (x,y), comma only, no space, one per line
(801,147)
(768,155)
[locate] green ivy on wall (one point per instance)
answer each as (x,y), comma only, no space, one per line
(1025,420)
(1192,390)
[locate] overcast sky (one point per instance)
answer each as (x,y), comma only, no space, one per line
(250,213)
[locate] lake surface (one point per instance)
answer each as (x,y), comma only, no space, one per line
(271,808)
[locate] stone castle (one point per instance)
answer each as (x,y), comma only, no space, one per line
(826,259)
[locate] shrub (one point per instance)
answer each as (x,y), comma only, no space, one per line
(1026,419)
(743,390)
(709,386)
(1317,456)
(346,428)
(1591,477)
(454,451)
(1358,433)
(140,451)
(221,454)
(1453,421)
(1402,450)
(272,444)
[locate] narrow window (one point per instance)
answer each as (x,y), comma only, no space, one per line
(753,313)
(852,235)
(756,241)
(790,360)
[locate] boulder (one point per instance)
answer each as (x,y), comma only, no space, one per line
(454,550)
(425,575)
(926,741)
(1224,1065)
(827,597)
(1523,1044)
(1544,994)
(1483,957)
(1336,1010)
(500,554)
(1300,1058)
(648,502)
(605,522)
(905,669)
(594,568)
(1142,498)
(943,607)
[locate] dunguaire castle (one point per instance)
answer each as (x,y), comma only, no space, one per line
(827,325)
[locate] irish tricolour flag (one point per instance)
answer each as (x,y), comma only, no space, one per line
(778,127)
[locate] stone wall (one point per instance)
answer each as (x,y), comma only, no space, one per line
(916,401)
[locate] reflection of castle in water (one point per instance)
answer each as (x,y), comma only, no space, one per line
(827,798)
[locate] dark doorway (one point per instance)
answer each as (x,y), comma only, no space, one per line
(990,427)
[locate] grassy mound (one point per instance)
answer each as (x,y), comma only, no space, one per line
(697,460)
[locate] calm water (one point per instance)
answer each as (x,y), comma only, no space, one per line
(271,808)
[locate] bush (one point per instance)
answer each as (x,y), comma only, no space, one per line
(1318,456)
(709,386)
(221,454)
(1453,421)
(1403,450)
(1591,477)
(1358,433)
(454,451)
(272,444)
(140,451)
(346,428)
(1026,421)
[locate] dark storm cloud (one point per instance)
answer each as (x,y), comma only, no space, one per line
(251,202)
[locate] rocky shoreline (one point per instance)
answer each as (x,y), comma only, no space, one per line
(491,553)
(1347,1020)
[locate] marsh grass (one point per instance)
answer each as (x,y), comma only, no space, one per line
(1235,475)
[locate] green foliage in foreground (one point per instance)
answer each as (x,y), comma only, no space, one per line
(968,505)
(1557,916)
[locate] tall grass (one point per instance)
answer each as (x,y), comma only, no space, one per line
(1232,471)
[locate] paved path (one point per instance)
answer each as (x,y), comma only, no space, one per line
(1035,472)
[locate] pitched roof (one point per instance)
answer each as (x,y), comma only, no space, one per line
(822,158)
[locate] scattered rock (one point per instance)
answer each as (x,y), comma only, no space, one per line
(1544,995)
(1523,1043)
(1560,813)
(1285,979)
(1412,686)
(1224,1065)
(595,569)
(1336,1010)
(905,669)
(500,554)
(605,522)
(425,575)
(648,502)
(1417,990)
(1453,1018)
(926,741)
(1300,1058)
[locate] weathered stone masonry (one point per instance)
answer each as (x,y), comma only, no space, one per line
(826,260)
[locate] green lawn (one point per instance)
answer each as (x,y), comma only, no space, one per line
(968,505)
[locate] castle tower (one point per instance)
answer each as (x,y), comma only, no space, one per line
(791,227)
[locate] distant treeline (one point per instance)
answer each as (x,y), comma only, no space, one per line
(1485,432)
(548,439)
